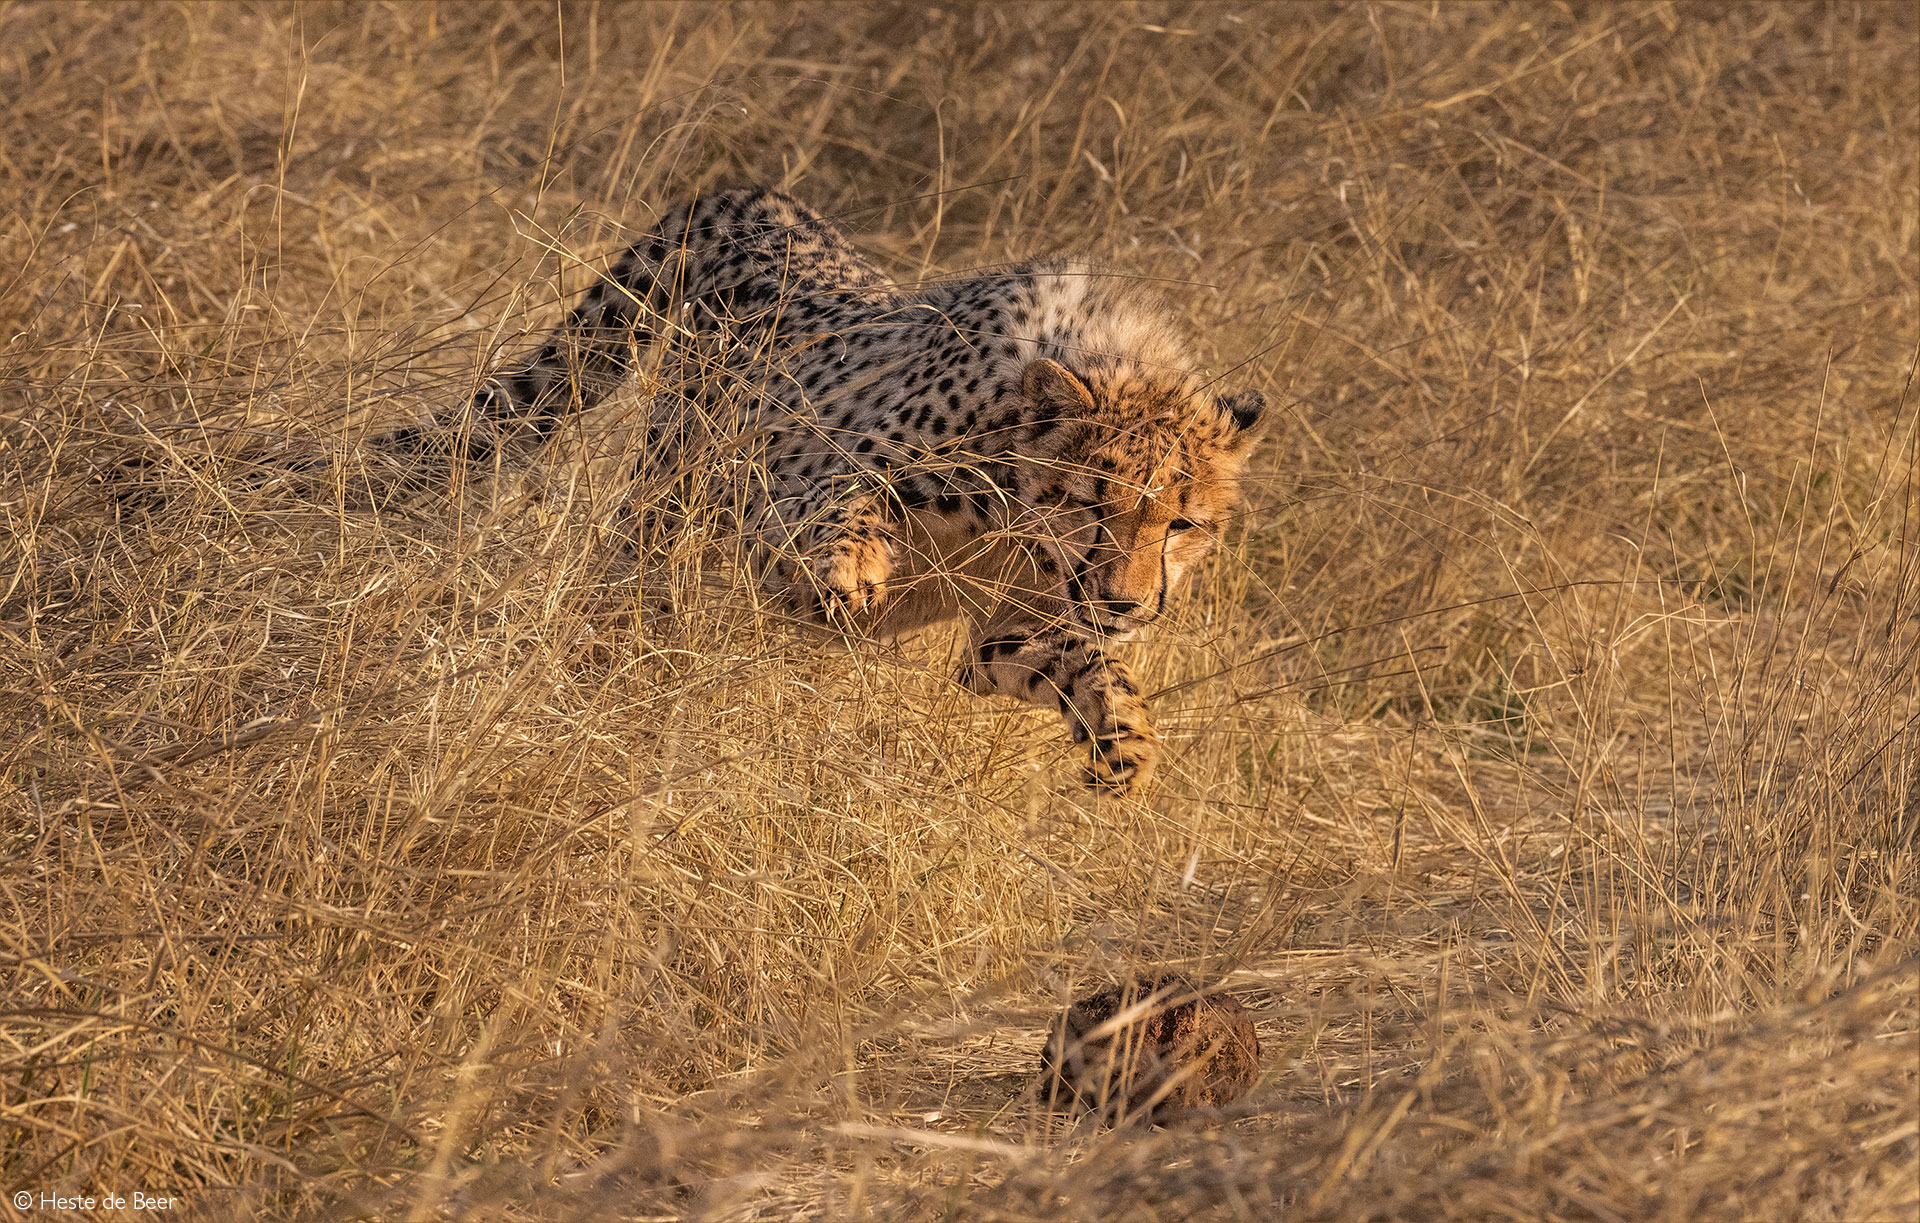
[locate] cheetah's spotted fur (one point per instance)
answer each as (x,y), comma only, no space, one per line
(1028,448)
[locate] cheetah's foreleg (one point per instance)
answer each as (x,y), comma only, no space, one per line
(1056,669)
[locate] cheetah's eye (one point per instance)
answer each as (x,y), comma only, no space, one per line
(1181,525)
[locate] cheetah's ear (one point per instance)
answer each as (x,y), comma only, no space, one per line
(1062,405)
(1052,385)
(1246,407)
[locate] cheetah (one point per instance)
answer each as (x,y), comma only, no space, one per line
(1028,448)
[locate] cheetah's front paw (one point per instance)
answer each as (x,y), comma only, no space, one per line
(1123,761)
(847,579)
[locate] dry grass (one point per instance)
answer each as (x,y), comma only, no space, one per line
(1545,746)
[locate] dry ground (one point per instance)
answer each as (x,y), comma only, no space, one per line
(1545,761)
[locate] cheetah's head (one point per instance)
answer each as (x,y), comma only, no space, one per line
(1137,477)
